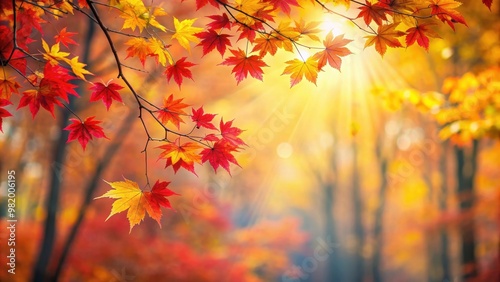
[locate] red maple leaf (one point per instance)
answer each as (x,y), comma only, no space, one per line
(244,64)
(202,119)
(444,10)
(488,3)
(4,112)
(83,131)
(157,198)
(420,34)
(18,59)
(371,12)
(284,5)
(29,18)
(247,33)
(107,92)
(55,82)
(219,22)
(179,70)
(201,3)
(211,137)
(64,37)
(211,39)
(35,99)
(230,133)
(334,49)
(172,111)
(220,155)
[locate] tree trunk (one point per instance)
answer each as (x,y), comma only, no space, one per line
(466,170)
(443,232)
(378,224)
(91,186)
(40,273)
(358,218)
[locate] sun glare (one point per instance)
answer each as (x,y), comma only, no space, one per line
(336,27)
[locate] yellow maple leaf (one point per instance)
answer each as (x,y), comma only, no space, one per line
(157,11)
(78,68)
(184,32)
(161,53)
(345,3)
(63,7)
(287,34)
(133,17)
(298,69)
(129,197)
(53,55)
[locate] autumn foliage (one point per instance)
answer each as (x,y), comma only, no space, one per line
(47,75)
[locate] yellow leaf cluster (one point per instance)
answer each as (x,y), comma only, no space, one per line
(473,109)
(53,55)
(185,31)
(137,15)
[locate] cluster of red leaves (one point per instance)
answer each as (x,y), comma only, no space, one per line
(256,22)
(216,147)
(387,34)
(52,86)
(263,24)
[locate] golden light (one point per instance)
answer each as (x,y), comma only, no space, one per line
(284,150)
(291,121)
(336,27)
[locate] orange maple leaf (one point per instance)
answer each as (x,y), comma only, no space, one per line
(8,86)
(244,64)
(172,111)
(334,49)
(177,155)
(64,37)
(139,48)
(444,10)
(387,35)
(267,44)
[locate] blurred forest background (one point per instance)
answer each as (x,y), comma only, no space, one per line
(363,177)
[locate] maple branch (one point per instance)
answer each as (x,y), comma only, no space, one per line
(14,33)
(352,20)
(108,37)
(47,8)
(72,112)
(145,151)
(145,100)
(122,76)
(132,68)
(292,40)
(107,28)
(175,132)
(398,12)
